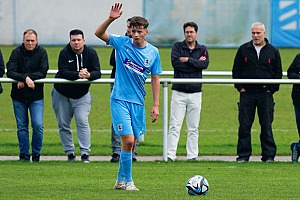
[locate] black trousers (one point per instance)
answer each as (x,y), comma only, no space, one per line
(265,108)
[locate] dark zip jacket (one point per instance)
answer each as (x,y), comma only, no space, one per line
(190,69)
(248,66)
(23,63)
(69,65)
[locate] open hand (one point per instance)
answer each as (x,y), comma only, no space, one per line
(115,11)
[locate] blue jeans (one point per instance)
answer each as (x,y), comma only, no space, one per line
(297,114)
(36,109)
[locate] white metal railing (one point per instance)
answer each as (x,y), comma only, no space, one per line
(168,73)
(165,82)
(171,73)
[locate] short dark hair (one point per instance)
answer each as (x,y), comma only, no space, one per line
(138,21)
(192,24)
(76,32)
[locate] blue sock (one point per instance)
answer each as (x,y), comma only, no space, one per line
(121,176)
(126,165)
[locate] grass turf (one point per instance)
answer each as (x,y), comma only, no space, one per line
(156,180)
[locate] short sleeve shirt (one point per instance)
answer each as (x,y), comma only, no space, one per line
(133,65)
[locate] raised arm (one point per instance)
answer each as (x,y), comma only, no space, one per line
(115,13)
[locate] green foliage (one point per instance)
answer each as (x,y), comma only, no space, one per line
(218,124)
(156,180)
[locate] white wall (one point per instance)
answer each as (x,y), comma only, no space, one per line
(53,19)
(6,22)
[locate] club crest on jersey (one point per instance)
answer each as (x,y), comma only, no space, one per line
(147,61)
(120,127)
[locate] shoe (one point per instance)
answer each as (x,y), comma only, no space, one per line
(120,185)
(115,157)
(242,159)
(192,159)
(85,158)
(71,157)
(170,159)
(269,159)
(24,158)
(295,154)
(134,159)
(130,186)
(35,158)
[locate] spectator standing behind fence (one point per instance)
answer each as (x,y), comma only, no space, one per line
(188,58)
(76,61)
(135,59)
(27,63)
(256,59)
(293,72)
(115,138)
(2,69)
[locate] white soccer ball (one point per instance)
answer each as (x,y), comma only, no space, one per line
(197,185)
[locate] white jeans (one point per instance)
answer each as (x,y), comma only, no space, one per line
(190,104)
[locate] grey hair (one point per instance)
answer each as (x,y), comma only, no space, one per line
(258,24)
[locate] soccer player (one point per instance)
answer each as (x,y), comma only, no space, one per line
(115,138)
(135,59)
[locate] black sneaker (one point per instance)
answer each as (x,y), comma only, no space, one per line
(295,153)
(71,157)
(24,158)
(269,159)
(36,158)
(85,158)
(242,159)
(134,159)
(170,159)
(115,157)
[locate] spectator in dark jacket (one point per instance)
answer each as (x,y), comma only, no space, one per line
(293,72)
(188,58)
(256,59)
(76,61)
(2,69)
(26,64)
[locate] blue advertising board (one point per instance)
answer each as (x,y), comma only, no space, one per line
(285,23)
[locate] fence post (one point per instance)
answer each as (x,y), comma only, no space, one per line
(165,120)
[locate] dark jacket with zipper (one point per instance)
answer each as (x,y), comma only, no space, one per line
(69,65)
(293,72)
(23,63)
(190,69)
(248,66)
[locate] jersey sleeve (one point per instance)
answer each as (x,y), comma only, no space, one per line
(156,69)
(116,41)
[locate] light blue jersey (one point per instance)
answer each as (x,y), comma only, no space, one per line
(133,64)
